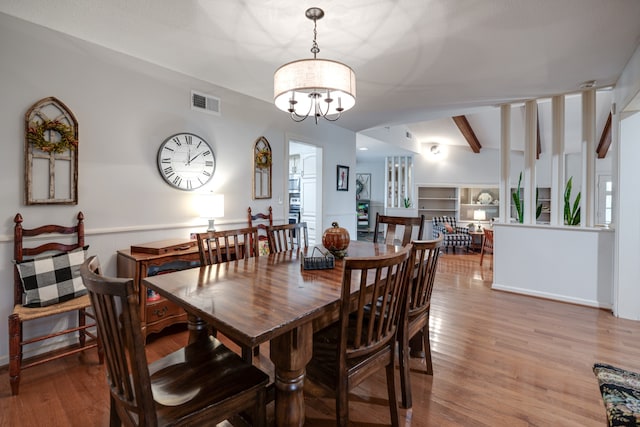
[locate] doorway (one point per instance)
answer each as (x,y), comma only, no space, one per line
(305,187)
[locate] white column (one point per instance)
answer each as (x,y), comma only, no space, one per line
(505,163)
(530,146)
(587,201)
(557,161)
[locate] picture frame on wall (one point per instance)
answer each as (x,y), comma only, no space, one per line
(342,178)
(363,186)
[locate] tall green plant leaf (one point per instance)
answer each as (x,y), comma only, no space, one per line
(516,201)
(571,210)
(519,204)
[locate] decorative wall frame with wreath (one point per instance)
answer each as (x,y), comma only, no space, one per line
(262,165)
(50,154)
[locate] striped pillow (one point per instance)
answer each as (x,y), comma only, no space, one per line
(53,279)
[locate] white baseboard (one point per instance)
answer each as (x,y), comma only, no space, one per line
(550,296)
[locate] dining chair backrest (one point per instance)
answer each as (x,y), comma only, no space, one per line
(227,245)
(287,237)
(115,303)
(393,225)
(261,221)
(427,253)
(379,305)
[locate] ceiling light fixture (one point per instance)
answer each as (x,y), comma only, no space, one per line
(588,84)
(318,87)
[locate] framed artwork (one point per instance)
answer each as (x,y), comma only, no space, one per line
(51,154)
(262,165)
(363,186)
(342,180)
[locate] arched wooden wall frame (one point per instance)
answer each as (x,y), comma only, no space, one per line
(50,178)
(262,166)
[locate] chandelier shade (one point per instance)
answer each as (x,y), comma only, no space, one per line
(318,87)
(309,80)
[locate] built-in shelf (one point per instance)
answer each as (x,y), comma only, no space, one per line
(437,201)
(482,199)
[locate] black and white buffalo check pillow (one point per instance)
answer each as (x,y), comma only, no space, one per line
(52,279)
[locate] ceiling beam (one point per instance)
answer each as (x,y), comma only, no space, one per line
(605,140)
(467,132)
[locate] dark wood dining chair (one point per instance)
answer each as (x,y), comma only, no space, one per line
(287,237)
(487,245)
(30,305)
(261,220)
(227,245)
(415,331)
(363,340)
(204,382)
(395,223)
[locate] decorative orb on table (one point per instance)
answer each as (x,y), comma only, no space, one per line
(336,240)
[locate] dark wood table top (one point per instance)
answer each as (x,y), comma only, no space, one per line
(259,298)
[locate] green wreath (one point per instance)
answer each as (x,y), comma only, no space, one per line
(36,132)
(263,159)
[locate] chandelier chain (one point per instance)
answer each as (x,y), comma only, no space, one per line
(314,47)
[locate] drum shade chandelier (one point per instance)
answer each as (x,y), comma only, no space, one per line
(318,87)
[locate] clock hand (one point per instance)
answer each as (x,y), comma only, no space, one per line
(190,160)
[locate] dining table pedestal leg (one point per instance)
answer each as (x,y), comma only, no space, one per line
(198,329)
(290,353)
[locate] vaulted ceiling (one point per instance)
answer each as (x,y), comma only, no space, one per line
(418,62)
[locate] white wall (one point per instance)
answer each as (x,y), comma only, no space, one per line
(571,264)
(627,300)
(125,108)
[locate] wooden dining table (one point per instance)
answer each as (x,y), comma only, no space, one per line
(266,299)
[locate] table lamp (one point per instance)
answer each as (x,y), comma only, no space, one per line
(479,215)
(212,207)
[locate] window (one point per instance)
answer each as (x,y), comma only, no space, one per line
(605,200)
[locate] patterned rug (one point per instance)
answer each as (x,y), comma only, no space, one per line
(621,394)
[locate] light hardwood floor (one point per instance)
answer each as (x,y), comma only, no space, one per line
(499,359)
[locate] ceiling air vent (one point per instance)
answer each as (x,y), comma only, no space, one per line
(205,103)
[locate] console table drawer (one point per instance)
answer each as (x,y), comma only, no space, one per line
(162,310)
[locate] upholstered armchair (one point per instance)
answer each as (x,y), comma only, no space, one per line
(455,236)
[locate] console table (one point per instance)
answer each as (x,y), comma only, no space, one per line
(150,259)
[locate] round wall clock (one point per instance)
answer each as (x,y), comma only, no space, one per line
(186,161)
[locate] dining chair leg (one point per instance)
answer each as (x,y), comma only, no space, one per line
(342,406)
(114,418)
(405,380)
(393,397)
(427,348)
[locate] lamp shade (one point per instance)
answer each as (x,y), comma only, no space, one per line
(479,215)
(305,80)
(212,205)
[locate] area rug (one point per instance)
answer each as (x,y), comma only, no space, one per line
(621,394)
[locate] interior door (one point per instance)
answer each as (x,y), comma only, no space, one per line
(309,194)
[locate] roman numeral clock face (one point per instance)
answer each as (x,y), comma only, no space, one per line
(186,161)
